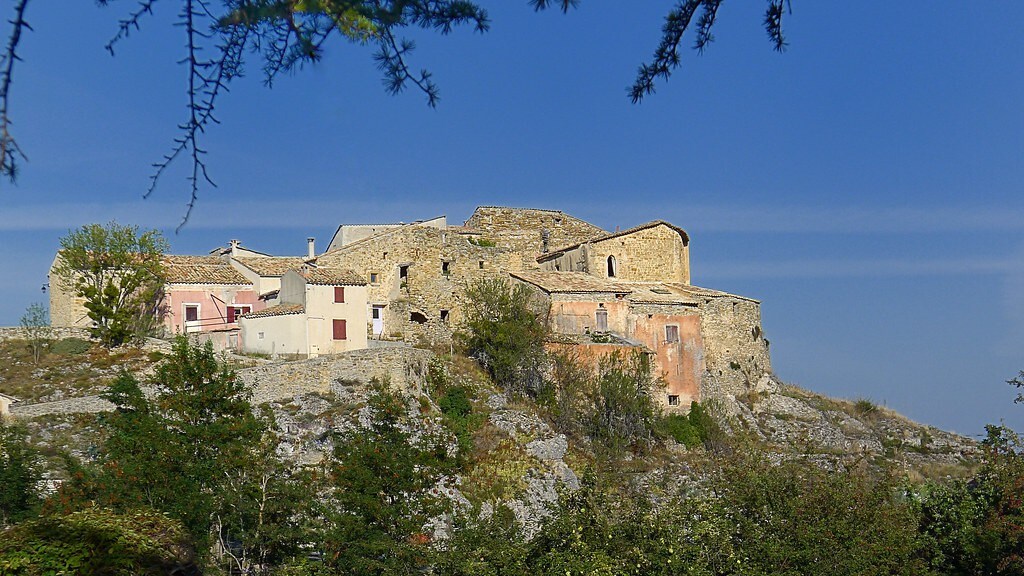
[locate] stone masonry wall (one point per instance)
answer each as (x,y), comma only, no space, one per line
(403,367)
(655,254)
(413,305)
(523,230)
(55,333)
(735,351)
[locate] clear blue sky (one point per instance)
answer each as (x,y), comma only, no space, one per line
(865,185)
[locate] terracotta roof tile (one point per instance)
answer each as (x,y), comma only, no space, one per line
(279,310)
(553,282)
(271,265)
(707,292)
(201,270)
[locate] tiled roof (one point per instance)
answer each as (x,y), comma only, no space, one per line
(707,292)
(553,282)
(556,253)
(279,310)
(657,293)
(201,270)
(332,276)
(271,265)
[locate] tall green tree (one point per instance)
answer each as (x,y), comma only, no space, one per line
(505,332)
(120,274)
(20,474)
(380,476)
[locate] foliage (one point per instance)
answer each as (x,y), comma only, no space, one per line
(380,479)
(490,546)
(977,527)
(196,451)
(624,413)
(697,428)
(36,325)
(20,475)
(1019,383)
(505,333)
(71,346)
(97,541)
(120,273)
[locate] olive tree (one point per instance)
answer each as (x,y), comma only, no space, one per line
(120,273)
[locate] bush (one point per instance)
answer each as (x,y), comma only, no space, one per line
(71,346)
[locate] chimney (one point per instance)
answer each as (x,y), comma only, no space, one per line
(310,249)
(234,247)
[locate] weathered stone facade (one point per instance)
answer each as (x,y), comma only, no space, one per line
(416,277)
(530,232)
(653,252)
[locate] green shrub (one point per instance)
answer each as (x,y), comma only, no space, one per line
(71,346)
(155,356)
(865,407)
(694,429)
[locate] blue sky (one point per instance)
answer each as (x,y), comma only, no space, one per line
(865,185)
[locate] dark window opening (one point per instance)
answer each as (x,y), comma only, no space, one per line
(672,333)
(611,266)
(235,311)
(403,272)
(385,255)
(444,316)
(446,268)
(418,318)
(191,313)
(374,278)
(481,264)
(340,330)
(673,400)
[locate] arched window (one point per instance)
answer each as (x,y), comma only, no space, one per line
(611,267)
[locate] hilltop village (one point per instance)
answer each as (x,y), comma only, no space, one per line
(380,283)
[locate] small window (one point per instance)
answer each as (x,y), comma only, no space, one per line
(339,294)
(340,330)
(403,272)
(191,313)
(418,317)
(602,320)
(481,264)
(235,311)
(446,268)
(673,400)
(672,333)
(444,316)
(385,255)
(374,278)
(611,267)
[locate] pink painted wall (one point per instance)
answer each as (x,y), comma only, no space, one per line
(213,301)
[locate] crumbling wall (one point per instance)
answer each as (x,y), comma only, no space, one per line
(531,232)
(735,350)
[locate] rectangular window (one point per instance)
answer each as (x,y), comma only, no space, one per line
(340,332)
(403,272)
(339,294)
(235,311)
(602,320)
(374,278)
(444,316)
(191,313)
(673,400)
(481,264)
(672,333)
(446,268)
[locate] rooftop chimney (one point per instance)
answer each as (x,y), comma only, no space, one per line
(234,247)
(310,248)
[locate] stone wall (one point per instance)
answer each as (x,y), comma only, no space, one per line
(530,232)
(67,309)
(438,265)
(403,367)
(55,333)
(655,254)
(736,353)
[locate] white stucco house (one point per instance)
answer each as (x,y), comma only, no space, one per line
(320,311)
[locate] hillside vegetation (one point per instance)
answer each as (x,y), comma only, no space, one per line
(514,461)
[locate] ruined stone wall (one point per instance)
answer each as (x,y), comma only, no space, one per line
(403,367)
(55,332)
(655,254)
(440,265)
(735,350)
(531,232)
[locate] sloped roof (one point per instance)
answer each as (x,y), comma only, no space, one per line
(659,293)
(569,282)
(201,270)
(271,265)
(279,310)
(332,276)
(699,292)
(653,223)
